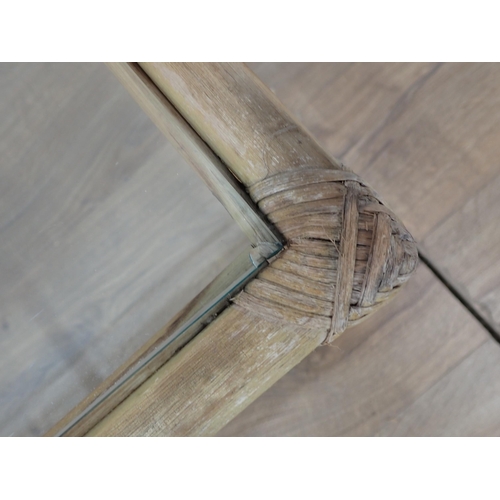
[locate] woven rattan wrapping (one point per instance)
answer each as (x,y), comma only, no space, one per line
(346,252)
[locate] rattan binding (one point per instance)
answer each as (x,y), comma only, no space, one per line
(346,252)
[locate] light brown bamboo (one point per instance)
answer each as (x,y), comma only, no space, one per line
(309,195)
(214,377)
(239,118)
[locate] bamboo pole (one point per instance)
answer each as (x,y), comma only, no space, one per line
(214,377)
(239,118)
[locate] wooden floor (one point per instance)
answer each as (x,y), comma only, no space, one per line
(90,193)
(427,138)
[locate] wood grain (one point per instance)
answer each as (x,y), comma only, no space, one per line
(100,244)
(158,406)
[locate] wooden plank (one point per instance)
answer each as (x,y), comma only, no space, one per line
(464,402)
(99,243)
(421,366)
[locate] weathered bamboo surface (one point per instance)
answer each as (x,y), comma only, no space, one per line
(225,367)
(238,118)
(426,136)
(287,174)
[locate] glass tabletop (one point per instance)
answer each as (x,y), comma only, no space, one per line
(105,233)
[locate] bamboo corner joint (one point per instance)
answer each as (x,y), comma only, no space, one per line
(346,254)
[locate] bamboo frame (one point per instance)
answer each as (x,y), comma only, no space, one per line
(306,296)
